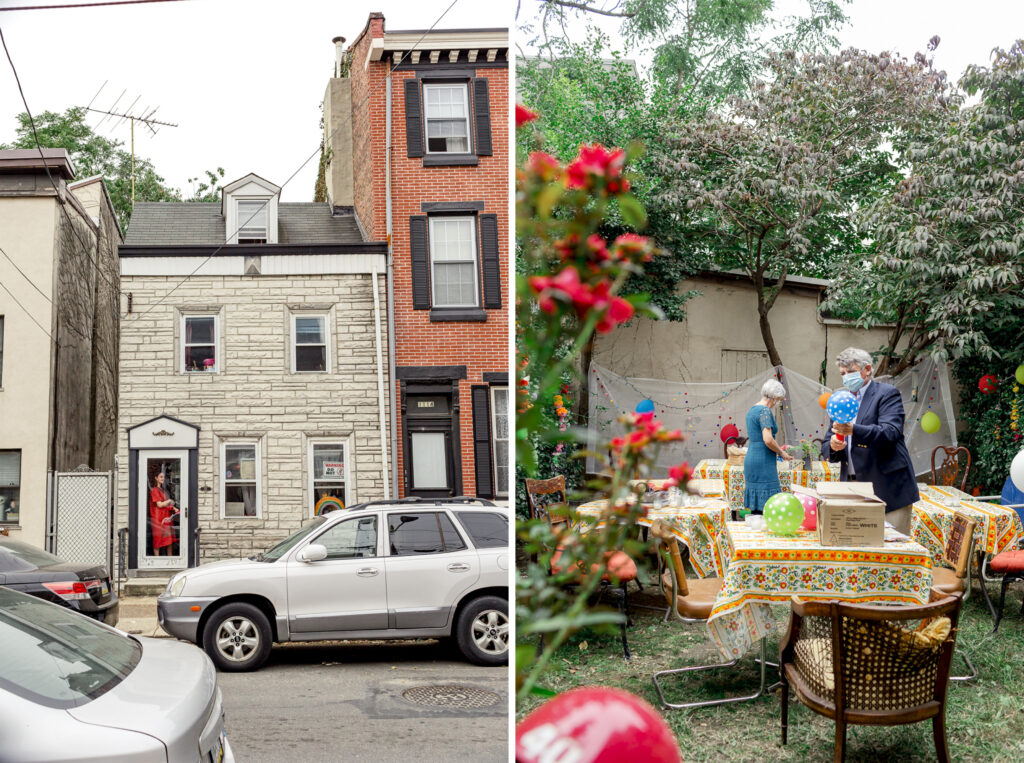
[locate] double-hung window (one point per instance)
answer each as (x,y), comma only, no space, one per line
(240,479)
(310,343)
(10,486)
(199,343)
(499,437)
(328,476)
(252,221)
(453,260)
(447,116)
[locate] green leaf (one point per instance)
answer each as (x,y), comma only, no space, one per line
(632,212)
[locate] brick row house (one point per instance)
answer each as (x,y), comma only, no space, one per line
(425,115)
(282,359)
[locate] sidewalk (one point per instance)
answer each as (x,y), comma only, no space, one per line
(138,617)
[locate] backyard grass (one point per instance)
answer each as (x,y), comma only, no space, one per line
(984,718)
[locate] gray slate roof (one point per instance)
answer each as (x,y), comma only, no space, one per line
(197,223)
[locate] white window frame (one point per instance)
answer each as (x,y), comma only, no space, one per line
(346,444)
(233,443)
(326,316)
(242,218)
(426,119)
(475,259)
(494,429)
(217,354)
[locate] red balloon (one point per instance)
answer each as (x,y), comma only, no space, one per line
(729,432)
(987,384)
(595,724)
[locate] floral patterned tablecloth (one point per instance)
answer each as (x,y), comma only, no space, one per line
(764,568)
(998,528)
(732,475)
(697,526)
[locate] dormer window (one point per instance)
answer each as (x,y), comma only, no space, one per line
(252,222)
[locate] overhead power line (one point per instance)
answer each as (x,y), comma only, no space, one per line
(85,5)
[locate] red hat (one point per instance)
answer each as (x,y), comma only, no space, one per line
(595,724)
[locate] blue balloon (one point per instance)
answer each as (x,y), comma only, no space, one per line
(645,406)
(842,406)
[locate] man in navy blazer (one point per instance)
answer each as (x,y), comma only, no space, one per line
(872,449)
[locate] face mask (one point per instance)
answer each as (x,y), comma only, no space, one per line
(853,381)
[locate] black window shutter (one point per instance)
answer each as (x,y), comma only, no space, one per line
(491,261)
(413,119)
(482,115)
(482,440)
(420,262)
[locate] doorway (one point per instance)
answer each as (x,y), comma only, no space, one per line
(432,469)
(163,509)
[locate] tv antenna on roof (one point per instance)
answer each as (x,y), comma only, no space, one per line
(142,116)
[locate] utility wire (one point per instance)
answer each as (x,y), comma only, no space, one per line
(86,5)
(25,309)
(15,264)
(318,149)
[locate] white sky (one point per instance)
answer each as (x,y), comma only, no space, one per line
(969,30)
(242,78)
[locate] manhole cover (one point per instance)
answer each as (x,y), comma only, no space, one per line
(451,696)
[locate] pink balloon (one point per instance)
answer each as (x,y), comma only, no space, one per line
(810,512)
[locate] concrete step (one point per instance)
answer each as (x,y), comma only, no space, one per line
(137,606)
(148,586)
(165,574)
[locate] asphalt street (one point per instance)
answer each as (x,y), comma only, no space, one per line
(344,701)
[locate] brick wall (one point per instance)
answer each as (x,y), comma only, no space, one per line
(256,395)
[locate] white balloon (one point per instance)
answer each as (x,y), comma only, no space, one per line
(1017,470)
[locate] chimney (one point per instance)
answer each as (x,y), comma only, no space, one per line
(338,136)
(338,53)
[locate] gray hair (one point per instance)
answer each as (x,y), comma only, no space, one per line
(773,390)
(852,357)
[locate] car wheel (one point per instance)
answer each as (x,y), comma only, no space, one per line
(482,631)
(237,637)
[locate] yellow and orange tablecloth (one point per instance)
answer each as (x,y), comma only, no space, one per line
(998,528)
(735,484)
(762,569)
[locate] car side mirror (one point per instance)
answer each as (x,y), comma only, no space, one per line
(314,552)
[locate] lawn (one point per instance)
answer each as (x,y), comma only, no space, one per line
(984,719)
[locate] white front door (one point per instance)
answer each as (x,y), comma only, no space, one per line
(163,529)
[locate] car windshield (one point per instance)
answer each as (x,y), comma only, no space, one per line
(56,657)
(288,543)
(15,555)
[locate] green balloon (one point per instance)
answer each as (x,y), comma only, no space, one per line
(783,514)
(1019,374)
(930,423)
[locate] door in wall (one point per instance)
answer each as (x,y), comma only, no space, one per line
(430,457)
(163,509)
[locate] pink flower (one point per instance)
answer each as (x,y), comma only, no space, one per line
(680,475)
(632,247)
(544,165)
(595,161)
(524,116)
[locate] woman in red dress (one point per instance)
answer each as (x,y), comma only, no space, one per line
(161,510)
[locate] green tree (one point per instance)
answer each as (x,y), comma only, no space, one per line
(770,185)
(950,237)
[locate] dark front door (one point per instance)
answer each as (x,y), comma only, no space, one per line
(429,448)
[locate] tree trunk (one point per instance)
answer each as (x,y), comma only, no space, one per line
(766,334)
(582,417)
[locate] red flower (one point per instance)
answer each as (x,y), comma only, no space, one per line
(595,161)
(631,247)
(524,116)
(598,247)
(680,474)
(545,166)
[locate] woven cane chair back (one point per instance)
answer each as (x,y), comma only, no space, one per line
(543,495)
(958,545)
(948,471)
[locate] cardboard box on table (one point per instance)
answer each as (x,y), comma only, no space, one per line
(849,513)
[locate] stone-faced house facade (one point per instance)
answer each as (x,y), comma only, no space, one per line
(58,332)
(253,374)
(417,145)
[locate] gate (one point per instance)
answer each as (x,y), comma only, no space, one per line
(80,517)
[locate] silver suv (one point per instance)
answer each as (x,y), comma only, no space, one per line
(408,568)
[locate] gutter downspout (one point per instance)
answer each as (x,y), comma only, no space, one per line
(391,296)
(380,391)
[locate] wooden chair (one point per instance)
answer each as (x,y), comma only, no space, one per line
(857,664)
(946,473)
(956,578)
(544,495)
(691,601)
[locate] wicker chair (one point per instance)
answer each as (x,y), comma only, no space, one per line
(948,471)
(858,665)
(956,578)
(542,497)
(691,601)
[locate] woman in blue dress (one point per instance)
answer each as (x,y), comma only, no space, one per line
(760,470)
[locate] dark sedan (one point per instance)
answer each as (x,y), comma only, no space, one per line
(84,588)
